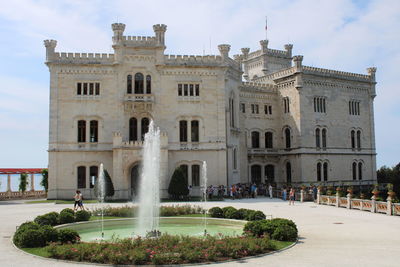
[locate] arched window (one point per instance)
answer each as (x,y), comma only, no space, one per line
(325,171)
(359,171)
(317,138)
(255,139)
(324,138)
(195,175)
(194,128)
(93,173)
(139,83)
(288,172)
(81,131)
(94,129)
(354,171)
(129,84)
(268,140)
(287,138)
(183,131)
(359,139)
(269,171)
(256,174)
(353,141)
(148,84)
(234,159)
(318,171)
(145,126)
(185,170)
(81,177)
(133,129)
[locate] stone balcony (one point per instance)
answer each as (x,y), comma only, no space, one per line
(149,98)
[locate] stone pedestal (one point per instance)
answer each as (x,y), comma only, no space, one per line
(301,195)
(389,206)
(319,197)
(373,204)
(32,182)
(348,201)
(337,199)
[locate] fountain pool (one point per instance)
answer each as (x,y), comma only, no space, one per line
(122,228)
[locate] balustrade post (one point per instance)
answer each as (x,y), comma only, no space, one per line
(319,197)
(301,195)
(337,199)
(8,182)
(348,201)
(389,206)
(32,182)
(373,205)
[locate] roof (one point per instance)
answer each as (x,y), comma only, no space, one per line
(19,171)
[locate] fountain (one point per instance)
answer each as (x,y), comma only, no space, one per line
(101,187)
(149,188)
(204,184)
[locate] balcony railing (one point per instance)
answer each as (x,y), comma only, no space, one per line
(139,98)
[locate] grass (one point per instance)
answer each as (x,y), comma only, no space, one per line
(94,218)
(60,201)
(37,251)
(281,244)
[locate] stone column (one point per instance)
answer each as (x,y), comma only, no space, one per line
(32,182)
(389,206)
(319,197)
(8,182)
(301,195)
(348,201)
(373,206)
(337,199)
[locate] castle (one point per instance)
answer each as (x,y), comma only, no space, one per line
(261,117)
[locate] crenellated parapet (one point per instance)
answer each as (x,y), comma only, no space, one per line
(83,58)
(179,60)
(258,86)
(336,74)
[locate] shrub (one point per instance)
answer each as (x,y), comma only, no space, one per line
(48,219)
(19,236)
(30,238)
(228,211)
(241,214)
(255,228)
(255,215)
(82,215)
(68,236)
(284,233)
(66,217)
(216,212)
(49,233)
(178,186)
(67,210)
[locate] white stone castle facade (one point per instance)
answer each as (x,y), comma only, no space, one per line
(259,117)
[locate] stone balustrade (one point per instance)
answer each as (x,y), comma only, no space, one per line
(9,195)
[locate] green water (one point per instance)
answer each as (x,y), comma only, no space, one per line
(123,228)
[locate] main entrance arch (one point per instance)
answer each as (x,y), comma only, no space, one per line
(135,176)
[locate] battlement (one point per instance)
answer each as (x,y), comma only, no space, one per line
(258,86)
(336,74)
(272,52)
(210,60)
(83,58)
(135,41)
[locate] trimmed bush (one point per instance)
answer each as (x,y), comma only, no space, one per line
(20,239)
(66,217)
(255,228)
(228,211)
(284,233)
(67,210)
(82,215)
(255,215)
(68,236)
(178,186)
(49,233)
(30,238)
(241,214)
(48,219)
(216,212)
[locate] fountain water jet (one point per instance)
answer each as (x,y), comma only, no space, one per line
(204,181)
(101,187)
(149,188)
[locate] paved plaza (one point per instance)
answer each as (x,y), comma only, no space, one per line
(329,236)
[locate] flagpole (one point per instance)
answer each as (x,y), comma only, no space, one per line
(266,28)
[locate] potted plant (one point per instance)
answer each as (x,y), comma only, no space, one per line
(303,187)
(350,190)
(329,190)
(375,191)
(391,193)
(362,196)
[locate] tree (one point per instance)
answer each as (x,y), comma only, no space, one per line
(23,182)
(390,175)
(108,186)
(45,179)
(178,186)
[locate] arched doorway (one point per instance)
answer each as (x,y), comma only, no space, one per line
(256,174)
(288,173)
(135,175)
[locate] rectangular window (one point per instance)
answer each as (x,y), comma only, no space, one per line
(191,89)
(266,109)
(183,131)
(197,89)
(270,110)
(93,173)
(319,104)
(195,175)
(185,90)
(180,89)
(81,177)
(85,88)
(93,131)
(81,131)
(195,131)
(91,88)
(256,108)
(79,89)
(97,88)
(243,107)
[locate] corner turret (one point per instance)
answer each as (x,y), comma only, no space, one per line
(159,30)
(50,49)
(224,50)
(118,29)
(289,48)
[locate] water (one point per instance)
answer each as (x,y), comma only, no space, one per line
(101,195)
(204,184)
(149,188)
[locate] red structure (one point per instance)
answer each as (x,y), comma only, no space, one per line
(19,171)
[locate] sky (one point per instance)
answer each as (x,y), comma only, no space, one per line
(346,35)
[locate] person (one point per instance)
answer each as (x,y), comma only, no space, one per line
(270,190)
(284,193)
(291,196)
(81,201)
(190,191)
(253,190)
(315,191)
(76,198)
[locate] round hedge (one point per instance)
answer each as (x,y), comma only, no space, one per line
(216,212)
(66,216)
(284,233)
(82,215)
(68,236)
(51,218)
(278,229)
